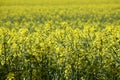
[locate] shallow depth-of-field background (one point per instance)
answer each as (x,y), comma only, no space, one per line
(59,39)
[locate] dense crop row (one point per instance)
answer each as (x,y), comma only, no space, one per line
(61,53)
(60,43)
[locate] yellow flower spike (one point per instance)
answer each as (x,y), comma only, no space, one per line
(16,24)
(48,26)
(11,76)
(8,23)
(1,49)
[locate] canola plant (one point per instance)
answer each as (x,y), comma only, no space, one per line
(77,41)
